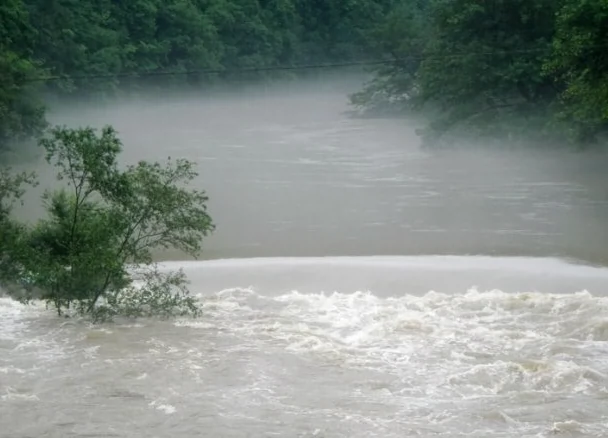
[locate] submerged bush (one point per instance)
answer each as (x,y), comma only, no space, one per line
(106,220)
(11,232)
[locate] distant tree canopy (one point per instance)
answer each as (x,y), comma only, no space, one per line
(490,68)
(21,115)
(503,68)
(72,39)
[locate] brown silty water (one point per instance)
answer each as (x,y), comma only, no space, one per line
(357,286)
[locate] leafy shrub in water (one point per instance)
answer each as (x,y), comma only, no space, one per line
(11,233)
(106,220)
(157,294)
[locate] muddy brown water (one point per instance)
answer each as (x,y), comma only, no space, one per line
(356,286)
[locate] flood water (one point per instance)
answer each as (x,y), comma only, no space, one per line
(356,286)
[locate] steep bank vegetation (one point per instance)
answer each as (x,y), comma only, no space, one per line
(535,69)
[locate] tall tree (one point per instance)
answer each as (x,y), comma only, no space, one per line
(21,113)
(580,62)
(76,38)
(401,38)
(483,64)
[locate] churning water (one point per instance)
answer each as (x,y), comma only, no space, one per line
(399,359)
(397,346)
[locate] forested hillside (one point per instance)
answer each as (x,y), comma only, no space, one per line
(99,45)
(533,69)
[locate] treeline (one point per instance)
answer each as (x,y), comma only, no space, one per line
(532,69)
(518,69)
(72,39)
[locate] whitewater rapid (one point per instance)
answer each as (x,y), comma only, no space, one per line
(326,347)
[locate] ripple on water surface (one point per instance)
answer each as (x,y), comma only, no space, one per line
(345,364)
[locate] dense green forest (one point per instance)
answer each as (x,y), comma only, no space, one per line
(499,68)
(516,69)
(104,45)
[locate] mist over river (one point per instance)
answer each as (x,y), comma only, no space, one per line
(357,285)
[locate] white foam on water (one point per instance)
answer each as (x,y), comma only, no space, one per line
(286,362)
(165,408)
(460,329)
(451,356)
(12,315)
(14,396)
(30,339)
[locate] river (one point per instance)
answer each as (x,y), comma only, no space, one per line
(357,286)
